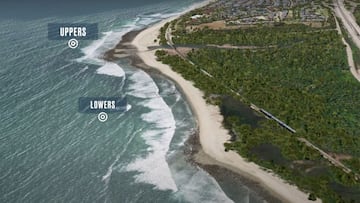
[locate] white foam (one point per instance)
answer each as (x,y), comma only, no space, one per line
(200,187)
(154,103)
(128,107)
(111,69)
(159,117)
(91,53)
(143,87)
(97,48)
(153,168)
(84,69)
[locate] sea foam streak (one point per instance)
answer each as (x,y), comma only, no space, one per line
(94,51)
(154,168)
(106,177)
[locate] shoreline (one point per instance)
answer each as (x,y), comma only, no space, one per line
(193,149)
(212,135)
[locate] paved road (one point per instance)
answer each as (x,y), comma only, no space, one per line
(349,53)
(348,20)
(350,26)
(326,155)
(329,157)
(169,41)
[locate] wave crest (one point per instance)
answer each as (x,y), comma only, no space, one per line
(154,168)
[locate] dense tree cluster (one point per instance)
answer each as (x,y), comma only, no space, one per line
(304,80)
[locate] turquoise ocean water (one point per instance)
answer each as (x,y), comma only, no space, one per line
(51,153)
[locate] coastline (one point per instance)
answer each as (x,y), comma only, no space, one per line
(212,135)
(193,149)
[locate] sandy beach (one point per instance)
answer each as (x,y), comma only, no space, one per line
(211,132)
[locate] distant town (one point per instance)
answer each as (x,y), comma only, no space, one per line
(226,13)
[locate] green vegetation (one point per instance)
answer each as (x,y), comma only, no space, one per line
(354,48)
(162,38)
(303,80)
(281,35)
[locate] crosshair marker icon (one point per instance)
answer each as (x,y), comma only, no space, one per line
(102,117)
(73,43)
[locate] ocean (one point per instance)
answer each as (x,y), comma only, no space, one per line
(49,152)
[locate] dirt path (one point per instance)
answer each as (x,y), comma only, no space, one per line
(352,31)
(348,20)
